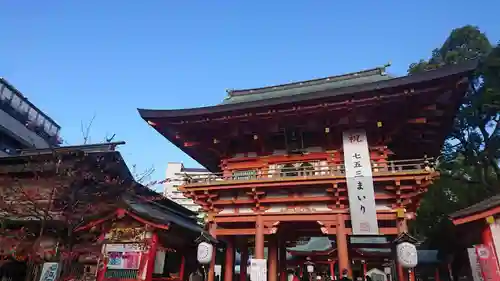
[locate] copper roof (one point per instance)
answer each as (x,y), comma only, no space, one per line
(332,89)
(311,91)
(308,86)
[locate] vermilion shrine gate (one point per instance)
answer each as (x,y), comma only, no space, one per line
(342,156)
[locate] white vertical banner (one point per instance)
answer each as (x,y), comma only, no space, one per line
(159,261)
(258,270)
(359,178)
(475,267)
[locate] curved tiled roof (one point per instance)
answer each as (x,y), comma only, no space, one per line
(286,95)
(308,86)
(315,244)
(163,214)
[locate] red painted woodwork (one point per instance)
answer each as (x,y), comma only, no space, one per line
(401,273)
(259,237)
(119,213)
(411,275)
(342,250)
(273,259)
(151,255)
(477,216)
(332,269)
(101,269)
(254,198)
(229,266)
(211,271)
(282,260)
(183,265)
(243,262)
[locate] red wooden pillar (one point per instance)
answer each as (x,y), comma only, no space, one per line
(436,274)
(102,267)
(183,265)
(259,237)
(486,235)
(244,261)
(332,270)
(151,257)
(273,259)
(229,265)
(401,272)
(365,268)
(282,258)
(411,274)
(211,271)
(402,228)
(342,250)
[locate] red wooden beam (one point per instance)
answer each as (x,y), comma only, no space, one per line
(477,216)
(118,213)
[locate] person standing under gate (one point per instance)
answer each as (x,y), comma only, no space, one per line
(345,275)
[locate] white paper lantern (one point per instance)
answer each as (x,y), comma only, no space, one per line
(310,268)
(204,253)
(407,255)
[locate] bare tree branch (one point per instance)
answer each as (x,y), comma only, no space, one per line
(86,130)
(142,177)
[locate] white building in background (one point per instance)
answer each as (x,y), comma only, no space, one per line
(176,172)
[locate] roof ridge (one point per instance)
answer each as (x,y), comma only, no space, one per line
(346,76)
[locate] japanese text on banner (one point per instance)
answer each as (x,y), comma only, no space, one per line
(360,183)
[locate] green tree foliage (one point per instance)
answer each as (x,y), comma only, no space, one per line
(469,163)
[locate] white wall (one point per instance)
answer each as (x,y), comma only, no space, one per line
(170,187)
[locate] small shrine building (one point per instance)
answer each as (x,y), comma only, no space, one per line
(478,226)
(343,157)
(120,229)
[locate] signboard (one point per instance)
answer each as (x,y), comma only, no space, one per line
(123,256)
(359,178)
(488,262)
(258,270)
(126,235)
(474,265)
(49,271)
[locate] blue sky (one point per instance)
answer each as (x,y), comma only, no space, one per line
(77,59)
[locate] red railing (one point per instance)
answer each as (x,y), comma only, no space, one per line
(310,170)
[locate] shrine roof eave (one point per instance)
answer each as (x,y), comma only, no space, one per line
(159,119)
(150,195)
(153,214)
(311,253)
(157,213)
(478,211)
(418,78)
(67,154)
(316,245)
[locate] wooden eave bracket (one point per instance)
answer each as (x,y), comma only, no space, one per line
(327,227)
(271,227)
(255,195)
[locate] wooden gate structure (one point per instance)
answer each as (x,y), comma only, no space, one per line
(277,158)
